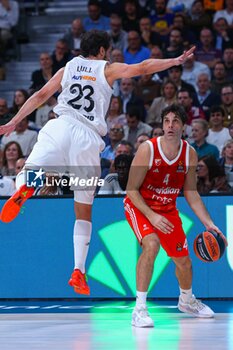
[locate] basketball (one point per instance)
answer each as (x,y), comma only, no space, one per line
(209,246)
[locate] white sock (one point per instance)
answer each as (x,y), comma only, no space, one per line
(20,179)
(81,239)
(186,294)
(141,298)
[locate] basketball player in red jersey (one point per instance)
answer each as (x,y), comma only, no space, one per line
(161,168)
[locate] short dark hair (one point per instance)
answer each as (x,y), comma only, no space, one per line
(92,41)
(217,108)
(177,110)
(123,158)
(133,110)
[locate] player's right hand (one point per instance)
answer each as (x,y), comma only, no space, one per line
(161,223)
(7,128)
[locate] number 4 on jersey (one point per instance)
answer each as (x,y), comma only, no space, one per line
(166,179)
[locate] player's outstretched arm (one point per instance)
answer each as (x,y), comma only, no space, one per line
(121,70)
(193,198)
(37,99)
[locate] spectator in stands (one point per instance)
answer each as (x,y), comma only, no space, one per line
(5,115)
(184,99)
(19,165)
(206,52)
(227,161)
(218,134)
(116,134)
(198,18)
(112,7)
(134,126)
(168,97)
(157,130)
(11,153)
(20,97)
(161,19)
(179,6)
(117,56)
(174,74)
(227,103)
(117,34)
(156,53)
(223,34)
(128,96)
(211,176)
(7,186)
(219,78)
(226,13)
(9,15)
(61,55)
(230,128)
(148,37)
(115,114)
(179,22)
(73,37)
(199,134)
(130,16)
(115,183)
(191,70)
(205,97)
(175,46)
(42,113)
(135,52)
(140,139)
(228,61)
(124,147)
(41,77)
(25,137)
(95,20)
(147,89)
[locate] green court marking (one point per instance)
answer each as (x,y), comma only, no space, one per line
(103,272)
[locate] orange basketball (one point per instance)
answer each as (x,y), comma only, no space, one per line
(209,246)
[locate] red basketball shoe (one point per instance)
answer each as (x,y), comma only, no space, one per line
(78,280)
(12,207)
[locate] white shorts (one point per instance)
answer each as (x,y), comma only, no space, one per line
(67,145)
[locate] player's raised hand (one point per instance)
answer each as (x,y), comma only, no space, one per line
(7,128)
(185,56)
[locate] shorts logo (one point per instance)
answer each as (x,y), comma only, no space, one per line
(179,246)
(145,227)
(35,178)
(158,162)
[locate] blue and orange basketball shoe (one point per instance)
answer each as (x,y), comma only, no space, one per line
(78,280)
(14,204)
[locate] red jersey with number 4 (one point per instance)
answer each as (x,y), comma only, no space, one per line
(165,178)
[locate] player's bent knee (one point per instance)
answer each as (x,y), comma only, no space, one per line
(151,243)
(183,263)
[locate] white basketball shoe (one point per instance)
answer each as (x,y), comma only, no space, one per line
(141,317)
(195,307)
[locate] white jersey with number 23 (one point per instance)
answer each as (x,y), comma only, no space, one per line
(85,93)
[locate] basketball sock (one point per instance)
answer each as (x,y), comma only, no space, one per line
(141,298)
(185,294)
(20,179)
(81,239)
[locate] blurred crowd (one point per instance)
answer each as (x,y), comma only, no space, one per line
(140,30)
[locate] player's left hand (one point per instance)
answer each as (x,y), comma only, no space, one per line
(185,56)
(214,228)
(7,128)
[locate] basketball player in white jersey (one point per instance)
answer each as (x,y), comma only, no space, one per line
(74,138)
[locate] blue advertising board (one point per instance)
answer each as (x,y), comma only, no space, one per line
(36,252)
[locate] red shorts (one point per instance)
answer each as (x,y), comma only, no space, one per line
(175,243)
